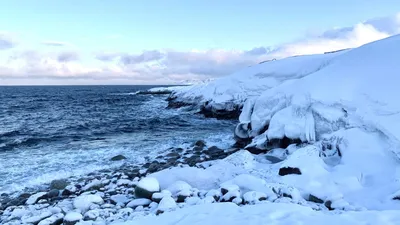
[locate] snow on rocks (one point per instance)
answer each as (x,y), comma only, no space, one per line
(253,197)
(146,187)
(119,199)
(166,204)
(84,202)
(35,198)
(139,202)
(72,218)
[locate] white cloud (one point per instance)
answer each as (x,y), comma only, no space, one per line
(7,41)
(169,66)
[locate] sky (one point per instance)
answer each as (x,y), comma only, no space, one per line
(61,42)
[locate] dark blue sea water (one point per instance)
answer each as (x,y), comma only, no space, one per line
(49,132)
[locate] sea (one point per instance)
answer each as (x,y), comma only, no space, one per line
(53,132)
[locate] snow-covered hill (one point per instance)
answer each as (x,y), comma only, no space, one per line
(326,125)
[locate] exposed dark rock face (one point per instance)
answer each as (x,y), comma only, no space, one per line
(228,113)
(289,170)
(118,158)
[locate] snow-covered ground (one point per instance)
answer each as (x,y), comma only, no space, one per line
(342,106)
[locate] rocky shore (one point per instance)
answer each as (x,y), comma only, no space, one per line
(115,188)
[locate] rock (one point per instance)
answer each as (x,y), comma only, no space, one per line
(237,200)
(147,187)
(173,155)
(289,170)
(53,193)
(91,215)
(254,150)
(328,204)
(178,186)
(35,198)
(84,202)
(93,185)
(120,200)
(59,184)
(182,195)
(72,218)
(216,194)
(253,197)
(200,143)
(225,188)
(213,150)
(154,167)
(118,158)
(231,195)
(273,159)
(139,202)
(166,204)
(55,219)
(313,198)
(160,195)
(36,219)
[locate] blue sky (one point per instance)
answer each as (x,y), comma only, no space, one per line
(129,28)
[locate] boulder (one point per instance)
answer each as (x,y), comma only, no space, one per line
(59,184)
(53,193)
(72,218)
(166,204)
(146,187)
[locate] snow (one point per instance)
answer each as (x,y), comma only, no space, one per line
(35,197)
(73,216)
(139,202)
(276,213)
(150,184)
(167,204)
(178,186)
(84,202)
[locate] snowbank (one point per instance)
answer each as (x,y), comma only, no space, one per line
(277,213)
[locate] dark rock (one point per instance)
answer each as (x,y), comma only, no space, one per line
(255,150)
(197,149)
(313,198)
(193,160)
(66,192)
(178,150)
(154,167)
(59,184)
(143,193)
(328,204)
(173,155)
(118,158)
(273,159)
(282,143)
(181,198)
(286,195)
(53,193)
(289,170)
(224,191)
(213,150)
(146,165)
(200,143)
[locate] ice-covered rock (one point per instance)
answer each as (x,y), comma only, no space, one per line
(146,187)
(91,215)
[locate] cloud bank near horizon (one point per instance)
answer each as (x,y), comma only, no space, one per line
(63,64)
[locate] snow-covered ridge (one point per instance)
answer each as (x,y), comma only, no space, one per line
(229,93)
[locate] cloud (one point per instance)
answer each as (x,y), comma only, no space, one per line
(107,56)
(166,66)
(67,56)
(146,56)
(6,41)
(56,43)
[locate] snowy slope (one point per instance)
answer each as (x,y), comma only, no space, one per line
(344,110)
(252,81)
(359,88)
